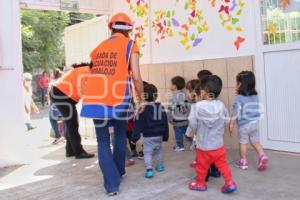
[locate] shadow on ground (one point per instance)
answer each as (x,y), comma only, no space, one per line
(81,179)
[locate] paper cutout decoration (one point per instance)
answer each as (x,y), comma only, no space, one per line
(165,23)
(239,40)
(230,12)
(140,8)
(190,29)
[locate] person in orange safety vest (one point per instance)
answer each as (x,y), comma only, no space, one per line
(65,94)
(108,96)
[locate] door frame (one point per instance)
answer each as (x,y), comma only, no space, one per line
(260,51)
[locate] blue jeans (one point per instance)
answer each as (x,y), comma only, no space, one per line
(54,126)
(180,135)
(53,115)
(112,164)
(43,95)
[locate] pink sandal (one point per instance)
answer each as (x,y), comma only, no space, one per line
(263,163)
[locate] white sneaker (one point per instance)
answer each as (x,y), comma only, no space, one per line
(112,194)
(124,175)
(178,149)
(62,140)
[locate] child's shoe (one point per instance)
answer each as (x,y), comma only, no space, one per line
(111,194)
(196,186)
(149,173)
(130,162)
(242,164)
(229,187)
(124,175)
(262,163)
(193,165)
(160,168)
(141,155)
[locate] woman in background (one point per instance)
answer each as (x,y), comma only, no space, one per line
(54,114)
(29,104)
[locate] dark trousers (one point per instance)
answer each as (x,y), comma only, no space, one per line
(43,96)
(67,108)
(112,164)
(132,146)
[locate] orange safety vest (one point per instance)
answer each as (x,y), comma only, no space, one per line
(72,83)
(108,88)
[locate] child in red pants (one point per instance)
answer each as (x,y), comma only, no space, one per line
(207,119)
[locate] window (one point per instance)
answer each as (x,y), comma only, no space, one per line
(280,21)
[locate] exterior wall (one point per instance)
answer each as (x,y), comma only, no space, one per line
(11,87)
(91,6)
(227,68)
(82,38)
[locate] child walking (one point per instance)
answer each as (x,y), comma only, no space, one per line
(190,92)
(246,112)
(190,86)
(130,153)
(178,111)
(208,120)
(153,123)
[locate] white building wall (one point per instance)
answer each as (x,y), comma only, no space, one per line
(82,38)
(84,6)
(11,98)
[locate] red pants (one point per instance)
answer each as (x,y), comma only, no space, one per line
(206,158)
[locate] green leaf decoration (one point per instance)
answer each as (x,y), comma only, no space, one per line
(168,14)
(239,12)
(186,6)
(200,29)
(193,36)
(235,20)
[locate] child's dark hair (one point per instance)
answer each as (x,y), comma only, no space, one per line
(247,83)
(150,92)
(212,85)
(179,82)
(201,74)
(191,85)
(145,83)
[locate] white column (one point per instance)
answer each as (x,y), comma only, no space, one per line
(11,93)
